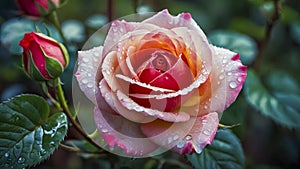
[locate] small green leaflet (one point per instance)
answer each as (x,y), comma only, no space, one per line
(269,105)
(27,134)
(225,152)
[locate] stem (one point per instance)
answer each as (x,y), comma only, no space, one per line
(53,17)
(269,27)
(63,102)
(110,10)
(135,5)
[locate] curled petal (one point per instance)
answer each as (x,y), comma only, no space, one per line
(120,132)
(88,63)
(186,138)
(166,116)
(227,78)
(114,103)
(165,20)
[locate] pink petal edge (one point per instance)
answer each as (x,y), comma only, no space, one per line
(86,74)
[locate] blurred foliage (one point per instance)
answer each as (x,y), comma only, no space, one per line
(267,142)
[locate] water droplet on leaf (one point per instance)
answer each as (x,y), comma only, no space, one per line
(21,160)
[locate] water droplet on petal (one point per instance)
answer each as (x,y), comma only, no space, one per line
(188,137)
(85,60)
(229,73)
(206,132)
(240,79)
(232,85)
(221,76)
(198,148)
(104,130)
(204,121)
(84,81)
(90,85)
(175,137)
(170,139)
(180,144)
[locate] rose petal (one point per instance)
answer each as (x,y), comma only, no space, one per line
(118,131)
(114,103)
(227,78)
(88,63)
(166,116)
(186,137)
(165,20)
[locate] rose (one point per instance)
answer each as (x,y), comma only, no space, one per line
(43,57)
(36,8)
(159,83)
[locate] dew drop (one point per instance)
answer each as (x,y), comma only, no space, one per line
(239,79)
(204,121)
(89,74)
(221,76)
(229,73)
(232,85)
(224,61)
(52,143)
(188,137)
(175,137)
(84,81)
(180,144)
(205,107)
(170,139)
(85,60)
(104,130)
(43,152)
(6,155)
(206,132)
(90,85)
(21,160)
(114,29)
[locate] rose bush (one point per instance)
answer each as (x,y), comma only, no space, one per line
(159,83)
(43,57)
(36,8)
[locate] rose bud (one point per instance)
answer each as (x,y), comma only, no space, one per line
(43,57)
(36,8)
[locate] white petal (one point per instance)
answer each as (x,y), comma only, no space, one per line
(88,63)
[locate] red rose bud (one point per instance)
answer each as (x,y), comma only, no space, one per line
(43,57)
(37,8)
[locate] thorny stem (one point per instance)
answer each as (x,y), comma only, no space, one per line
(110,10)
(268,30)
(61,98)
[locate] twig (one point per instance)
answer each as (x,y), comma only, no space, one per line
(110,10)
(268,30)
(62,100)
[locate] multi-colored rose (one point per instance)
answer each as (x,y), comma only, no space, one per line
(159,83)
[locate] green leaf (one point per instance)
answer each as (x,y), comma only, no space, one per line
(270,106)
(225,152)
(237,42)
(27,134)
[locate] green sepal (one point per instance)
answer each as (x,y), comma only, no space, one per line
(53,67)
(65,53)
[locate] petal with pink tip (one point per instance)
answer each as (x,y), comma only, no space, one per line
(114,103)
(185,138)
(88,63)
(118,131)
(165,20)
(227,78)
(166,116)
